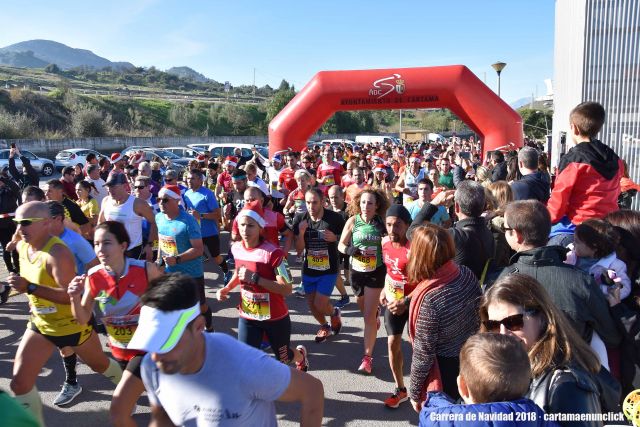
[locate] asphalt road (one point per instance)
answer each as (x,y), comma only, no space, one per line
(350,398)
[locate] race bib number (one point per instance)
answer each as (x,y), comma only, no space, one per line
(393,289)
(365,262)
(318,260)
(329,180)
(120,329)
(168,245)
(40,309)
(408,199)
(255,305)
(274,185)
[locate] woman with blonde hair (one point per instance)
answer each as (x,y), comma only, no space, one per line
(563,366)
(361,239)
(501,195)
(483,175)
(443,312)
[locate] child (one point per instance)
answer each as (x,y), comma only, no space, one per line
(588,181)
(494,376)
(593,251)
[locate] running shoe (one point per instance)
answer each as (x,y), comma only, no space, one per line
(227,277)
(396,398)
(299,291)
(323,333)
(344,300)
(378,318)
(336,321)
(4,295)
(304,365)
(67,394)
(366,365)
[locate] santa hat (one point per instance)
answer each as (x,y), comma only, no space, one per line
(254,211)
(415,157)
(231,161)
(171,191)
(116,157)
(138,158)
(380,168)
(201,158)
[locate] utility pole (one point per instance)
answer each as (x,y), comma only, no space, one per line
(400,130)
(254,82)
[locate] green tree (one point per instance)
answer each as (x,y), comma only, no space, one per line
(284,86)
(88,122)
(52,69)
(536,122)
(278,102)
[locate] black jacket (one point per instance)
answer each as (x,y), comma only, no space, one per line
(474,244)
(499,172)
(24,180)
(572,290)
(533,186)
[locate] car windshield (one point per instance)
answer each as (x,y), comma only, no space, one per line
(264,151)
(165,154)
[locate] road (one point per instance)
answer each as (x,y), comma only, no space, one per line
(350,398)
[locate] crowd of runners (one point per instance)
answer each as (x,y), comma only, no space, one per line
(519,286)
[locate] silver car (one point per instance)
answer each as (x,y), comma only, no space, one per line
(40,164)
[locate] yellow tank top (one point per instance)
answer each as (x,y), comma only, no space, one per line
(50,318)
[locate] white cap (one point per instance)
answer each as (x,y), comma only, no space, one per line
(159,331)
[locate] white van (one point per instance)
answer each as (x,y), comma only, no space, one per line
(374,139)
(436,137)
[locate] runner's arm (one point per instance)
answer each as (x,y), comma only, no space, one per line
(400,185)
(81,303)
(288,239)
(141,208)
(159,417)
(63,270)
(345,238)
(309,392)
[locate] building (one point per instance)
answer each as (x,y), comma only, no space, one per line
(597,58)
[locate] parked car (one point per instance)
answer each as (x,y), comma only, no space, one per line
(152,154)
(224,150)
(185,152)
(199,147)
(44,166)
(74,156)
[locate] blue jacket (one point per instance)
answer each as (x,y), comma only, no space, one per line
(441,411)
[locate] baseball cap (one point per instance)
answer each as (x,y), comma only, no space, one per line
(159,331)
(277,158)
(115,179)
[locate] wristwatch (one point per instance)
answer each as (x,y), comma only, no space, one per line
(178,259)
(31,288)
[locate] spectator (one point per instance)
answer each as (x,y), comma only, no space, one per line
(499,172)
(627,223)
(534,183)
(588,181)
(28,176)
(483,176)
(9,199)
(443,312)
(563,366)
(527,225)
(93,176)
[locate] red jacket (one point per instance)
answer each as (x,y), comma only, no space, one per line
(588,183)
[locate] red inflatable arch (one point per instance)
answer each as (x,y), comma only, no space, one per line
(454,87)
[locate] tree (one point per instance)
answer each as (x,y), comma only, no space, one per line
(536,123)
(52,69)
(88,122)
(284,86)
(278,102)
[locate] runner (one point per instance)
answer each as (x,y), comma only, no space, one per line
(264,280)
(224,179)
(211,379)
(408,182)
(338,205)
(361,239)
(425,195)
(296,200)
(316,233)
(273,172)
(54,190)
(359,184)
(396,295)
(287,181)
(130,211)
(234,199)
(46,268)
(180,243)
(116,284)
(329,172)
(202,204)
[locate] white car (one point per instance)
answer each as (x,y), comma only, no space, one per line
(224,150)
(74,156)
(199,147)
(40,164)
(186,152)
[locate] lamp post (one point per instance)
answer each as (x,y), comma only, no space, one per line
(499,66)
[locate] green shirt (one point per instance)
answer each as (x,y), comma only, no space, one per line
(367,237)
(446,180)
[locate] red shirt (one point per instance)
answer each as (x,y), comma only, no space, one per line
(396,259)
(257,303)
(271,232)
(225,180)
(287,179)
(119,301)
(333,170)
(69,189)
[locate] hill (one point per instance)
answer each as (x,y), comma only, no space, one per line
(51,52)
(21,59)
(187,74)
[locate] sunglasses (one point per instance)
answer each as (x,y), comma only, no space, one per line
(25,222)
(513,323)
(140,187)
(169,179)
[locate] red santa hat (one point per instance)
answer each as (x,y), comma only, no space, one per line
(231,161)
(415,157)
(116,157)
(171,191)
(201,158)
(254,211)
(380,168)
(138,158)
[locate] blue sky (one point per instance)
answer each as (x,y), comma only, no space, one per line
(295,39)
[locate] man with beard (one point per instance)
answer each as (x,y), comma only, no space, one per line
(181,361)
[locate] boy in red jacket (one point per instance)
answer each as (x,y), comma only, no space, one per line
(588,181)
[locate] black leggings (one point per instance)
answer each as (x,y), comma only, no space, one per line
(278,331)
(7,229)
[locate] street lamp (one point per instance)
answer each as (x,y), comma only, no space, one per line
(499,66)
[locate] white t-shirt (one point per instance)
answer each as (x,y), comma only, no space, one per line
(102,190)
(236,386)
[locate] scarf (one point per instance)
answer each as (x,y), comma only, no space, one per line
(444,275)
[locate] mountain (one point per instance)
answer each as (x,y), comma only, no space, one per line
(520,103)
(187,73)
(50,52)
(21,59)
